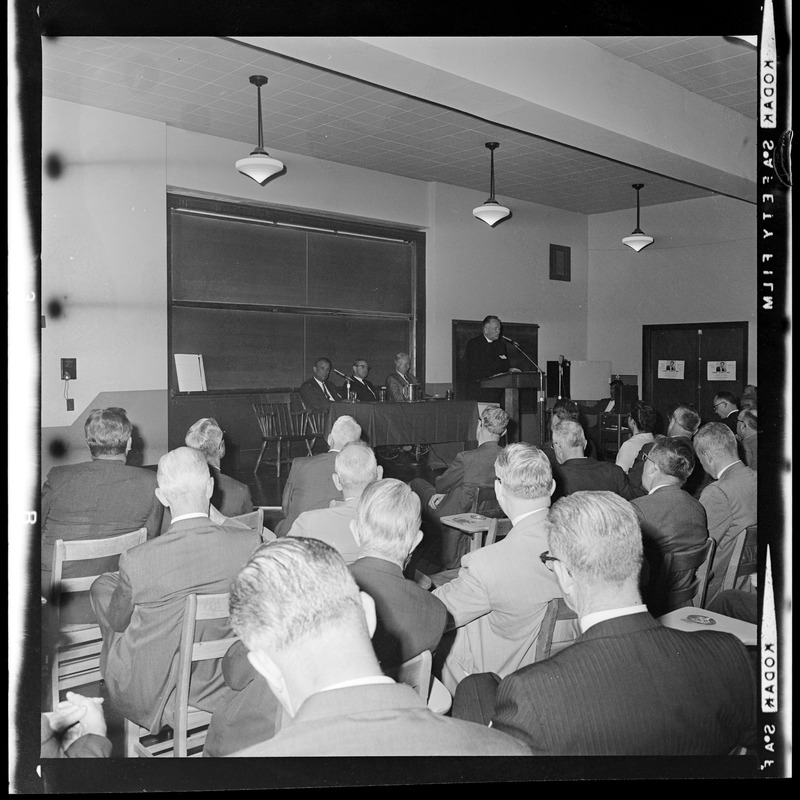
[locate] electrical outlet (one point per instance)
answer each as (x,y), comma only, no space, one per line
(70,404)
(69,369)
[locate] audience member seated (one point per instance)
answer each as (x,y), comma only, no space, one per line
(94,500)
(730,501)
(318,392)
(499,597)
(400,378)
(749,398)
(576,472)
(726,407)
(364,390)
(356,468)
(299,611)
(230,496)
(642,422)
(627,685)
(76,729)
(455,491)
(562,410)
(409,618)
(140,610)
(310,483)
(748,436)
(671,519)
(736,603)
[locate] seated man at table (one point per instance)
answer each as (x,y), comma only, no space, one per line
(456,488)
(310,483)
(363,388)
(386,527)
(501,592)
(299,612)
(94,500)
(140,610)
(318,392)
(400,378)
(577,472)
(355,468)
(627,685)
(231,497)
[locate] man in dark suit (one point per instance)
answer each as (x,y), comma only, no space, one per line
(671,519)
(363,388)
(94,500)
(627,685)
(299,611)
(455,490)
(576,472)
(486,355)
(318,392)
(140,610)
(310,483)
(726,407)
(230,497)
(386,529)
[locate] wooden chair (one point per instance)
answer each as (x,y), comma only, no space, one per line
(190,723)
(280,422)
(316,419)
(664,598)
(416,673)
(547,643)
(74,649)
(254,520)
(484,502)
(744,559)
(498,528)
(704,574)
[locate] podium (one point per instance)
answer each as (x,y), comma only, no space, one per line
(512,382)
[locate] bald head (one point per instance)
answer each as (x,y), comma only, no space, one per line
(184,482)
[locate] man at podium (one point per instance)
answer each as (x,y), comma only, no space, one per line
(486,355)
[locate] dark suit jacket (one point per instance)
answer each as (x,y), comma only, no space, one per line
(141,620)
(313,396)
(380,720)
(484,359)
(309,485)
(94,500)
(247,711)
(410,619)
(230,497)
(588,474)
(365,392)
(629,686)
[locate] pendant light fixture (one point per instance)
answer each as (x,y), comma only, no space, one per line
(491,212)
(637,240)
(259,165)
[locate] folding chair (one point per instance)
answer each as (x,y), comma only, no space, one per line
(547,643)
(744,559)
(416,673)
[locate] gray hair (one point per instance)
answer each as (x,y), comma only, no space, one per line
(687,418)
(716,439)
(494,420)
(388,519)
(344,430)
(182,472)
(356,465)
(674,457)
(597,537)
(290,589)
(206,436)
(401,357)
(569,433)
(524,471)
(107,431)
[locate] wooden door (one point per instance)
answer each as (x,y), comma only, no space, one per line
(695,345)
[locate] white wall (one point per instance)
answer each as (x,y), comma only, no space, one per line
(701,268)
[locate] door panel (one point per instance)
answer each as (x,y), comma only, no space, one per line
(718,344)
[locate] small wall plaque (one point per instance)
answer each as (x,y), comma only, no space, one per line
(560,268)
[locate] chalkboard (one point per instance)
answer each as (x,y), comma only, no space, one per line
(527,335)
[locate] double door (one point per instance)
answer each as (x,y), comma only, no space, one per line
(707,358)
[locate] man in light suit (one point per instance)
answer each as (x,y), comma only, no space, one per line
(310,483)
(230,497)
(576,472)
(671,519)
(627,685)
(94,500)
(140,610)
(364,390)
(500,595)
(409,618)
(299,612)
(730,501)
(456,488)
(318,392)
(355,468)
(400,378)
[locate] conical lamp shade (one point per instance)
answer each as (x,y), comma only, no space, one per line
(259,166)
(638,241)
(491,212)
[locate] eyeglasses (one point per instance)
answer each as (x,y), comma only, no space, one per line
(721,403)
(499,480)
(646,457)
(546,558)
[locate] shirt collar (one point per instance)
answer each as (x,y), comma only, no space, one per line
(368,680)
(516,520)
(725,469)
(192,515)
(612,613)
(660,485)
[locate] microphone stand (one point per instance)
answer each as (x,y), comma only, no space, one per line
(540,393)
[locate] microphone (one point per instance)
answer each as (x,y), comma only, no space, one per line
(516,344)
(342,375)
